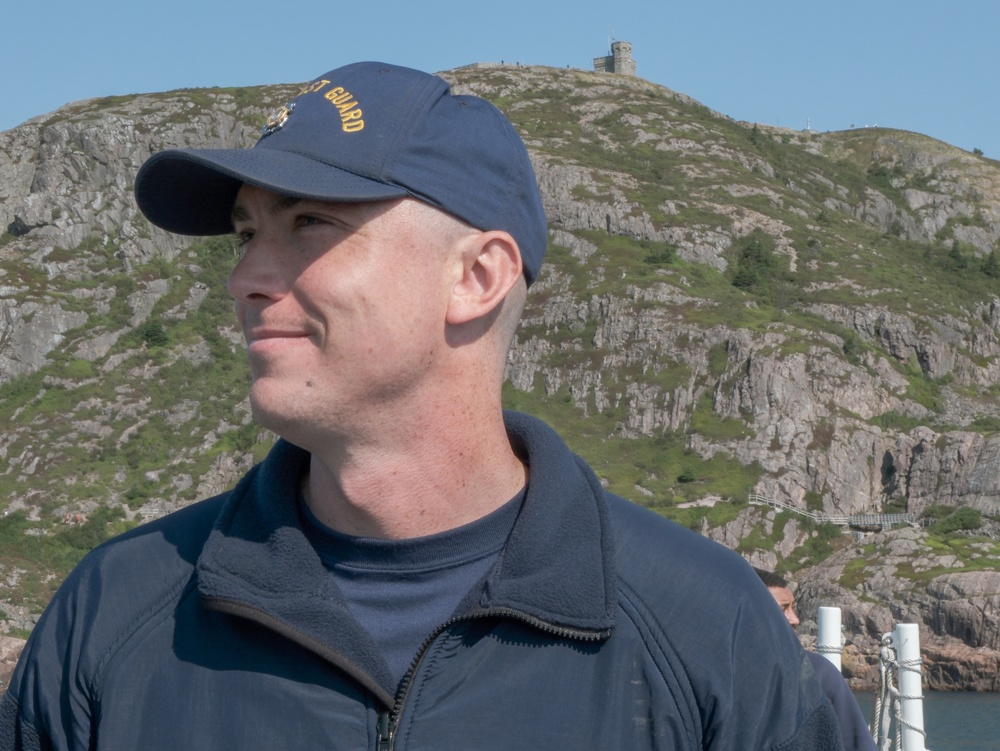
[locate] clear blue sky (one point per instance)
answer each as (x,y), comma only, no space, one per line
(924,65)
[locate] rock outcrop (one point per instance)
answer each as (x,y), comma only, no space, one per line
(10,650)
(896,577)
(857,373)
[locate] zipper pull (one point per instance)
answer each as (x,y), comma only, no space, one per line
(386,733)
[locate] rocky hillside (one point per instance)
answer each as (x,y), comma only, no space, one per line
(727,308)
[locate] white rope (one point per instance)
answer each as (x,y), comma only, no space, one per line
(887,698)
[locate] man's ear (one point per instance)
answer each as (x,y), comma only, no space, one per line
(491,266)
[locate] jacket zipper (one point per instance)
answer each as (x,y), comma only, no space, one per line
(386,732)
(388,721)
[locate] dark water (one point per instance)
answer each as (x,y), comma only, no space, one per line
(954,721)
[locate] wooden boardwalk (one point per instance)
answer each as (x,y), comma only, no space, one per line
(854,521)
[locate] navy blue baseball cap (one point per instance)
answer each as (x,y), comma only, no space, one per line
(364,132)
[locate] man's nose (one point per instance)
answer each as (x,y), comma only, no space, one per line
(257,275)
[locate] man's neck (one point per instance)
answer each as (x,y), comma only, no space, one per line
(432,482)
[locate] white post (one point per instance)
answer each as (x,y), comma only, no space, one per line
(828,641)
(906,640)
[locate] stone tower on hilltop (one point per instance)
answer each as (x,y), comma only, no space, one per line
(619,61)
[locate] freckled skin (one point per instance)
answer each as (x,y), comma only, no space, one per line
(309,270)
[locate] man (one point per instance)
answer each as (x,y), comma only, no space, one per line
(411,567)
(853,728)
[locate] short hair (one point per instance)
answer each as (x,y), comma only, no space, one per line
(771,579)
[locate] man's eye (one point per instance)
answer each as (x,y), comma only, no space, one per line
(240,246)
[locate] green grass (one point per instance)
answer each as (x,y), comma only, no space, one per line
(856,571)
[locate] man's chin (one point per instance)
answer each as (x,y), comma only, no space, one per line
(269,413)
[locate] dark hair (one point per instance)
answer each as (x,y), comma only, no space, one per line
(771,579)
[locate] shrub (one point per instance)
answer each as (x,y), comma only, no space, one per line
(936,512)
(991,265)
(853,347)
(664,257)
(963,519)
(153,333)
(814,501)
(756,262)
(957,259)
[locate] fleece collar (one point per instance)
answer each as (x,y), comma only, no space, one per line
(557,566)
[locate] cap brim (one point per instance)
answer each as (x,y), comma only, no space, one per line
(192,191)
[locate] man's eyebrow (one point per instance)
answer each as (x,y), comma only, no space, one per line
(277,203)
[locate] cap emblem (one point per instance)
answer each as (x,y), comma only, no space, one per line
(277,119)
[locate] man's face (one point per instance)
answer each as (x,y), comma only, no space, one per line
(341,305)
(786,601)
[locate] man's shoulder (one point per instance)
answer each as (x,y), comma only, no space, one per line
(668,572)
(148,569)
(701,609)
(133,571)
(830,678)
(131,580)
(682,553)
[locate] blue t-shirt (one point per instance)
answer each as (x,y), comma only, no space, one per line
(402,590)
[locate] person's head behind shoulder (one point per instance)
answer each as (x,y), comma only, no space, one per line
(781,591)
